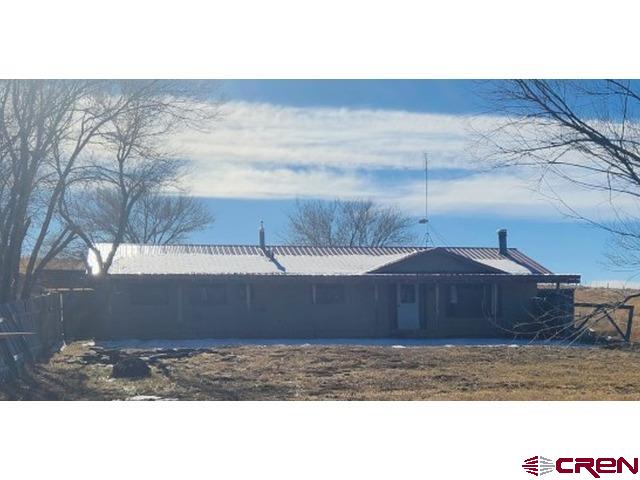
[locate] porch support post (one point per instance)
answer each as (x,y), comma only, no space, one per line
(180,303)
(494,300)
(437,302)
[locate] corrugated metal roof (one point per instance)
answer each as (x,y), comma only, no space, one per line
(516,262)
(293,260)
(242,259)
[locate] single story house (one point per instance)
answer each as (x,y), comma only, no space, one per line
(244,291)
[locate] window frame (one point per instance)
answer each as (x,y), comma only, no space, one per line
(458,306)
(402,288)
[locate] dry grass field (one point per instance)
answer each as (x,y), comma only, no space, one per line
(82,372)
(347,373)
(613,296)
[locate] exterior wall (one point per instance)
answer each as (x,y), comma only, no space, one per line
(284,308)
(517,302)
(279,309)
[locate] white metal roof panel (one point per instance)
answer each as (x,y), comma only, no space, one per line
(293,260)
(506,265)
(334,264)
(244,260)
(515,262)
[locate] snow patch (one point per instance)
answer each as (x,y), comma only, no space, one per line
(147,398)
(209,343)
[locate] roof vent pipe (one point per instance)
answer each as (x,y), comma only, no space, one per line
(502,241)
(262,244)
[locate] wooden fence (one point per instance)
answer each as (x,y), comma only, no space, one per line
(30,330)
(608,311)
(80,314)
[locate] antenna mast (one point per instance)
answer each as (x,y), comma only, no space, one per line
(425,221)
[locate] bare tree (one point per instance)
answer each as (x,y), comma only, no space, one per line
(583,134)
(135,162)
(348,223)
(44,127)
(157,218)
(57,137)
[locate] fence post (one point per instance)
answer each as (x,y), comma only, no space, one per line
(629,324)
(7,356)
(61,323)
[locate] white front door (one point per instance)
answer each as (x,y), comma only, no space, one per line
(408,311)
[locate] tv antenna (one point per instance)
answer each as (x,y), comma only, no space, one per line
(425,220)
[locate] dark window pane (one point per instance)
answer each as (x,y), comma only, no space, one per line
(407,294)
(469,301)
(329,293)
(148,294)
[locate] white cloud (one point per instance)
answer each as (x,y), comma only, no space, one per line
(331,137)
(269,151)
(229,180)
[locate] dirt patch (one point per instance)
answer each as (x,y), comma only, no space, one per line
(82,372)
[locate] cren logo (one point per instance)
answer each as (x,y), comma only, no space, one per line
(538,465)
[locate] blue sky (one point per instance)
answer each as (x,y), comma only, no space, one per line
(437,96)
(282,139)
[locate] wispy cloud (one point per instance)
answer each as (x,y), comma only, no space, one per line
(271,151)
(241,180)
(332,137)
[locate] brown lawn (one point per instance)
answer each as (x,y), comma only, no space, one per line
(612,296)
(348,373)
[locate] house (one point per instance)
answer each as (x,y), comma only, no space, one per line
(236,291)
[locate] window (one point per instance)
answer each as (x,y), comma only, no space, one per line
(208,294)
(469,301)
(328,293)
(148,294)
(408,293)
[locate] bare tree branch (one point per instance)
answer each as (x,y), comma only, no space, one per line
(348,223)
(584,133)
(158,219)
(60,136)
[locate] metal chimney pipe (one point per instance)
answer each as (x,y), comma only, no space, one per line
(502,241)
(262,243)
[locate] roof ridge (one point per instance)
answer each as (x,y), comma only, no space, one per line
(415,247)
(476,248)
(258,246)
